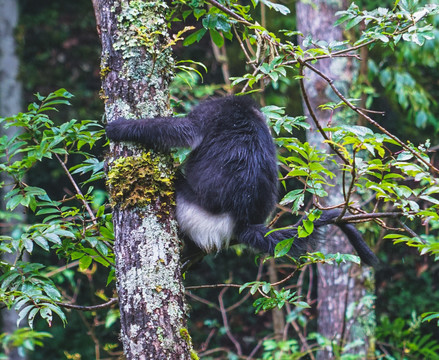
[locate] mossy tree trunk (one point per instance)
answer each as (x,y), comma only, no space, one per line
(345,304)
(136,68)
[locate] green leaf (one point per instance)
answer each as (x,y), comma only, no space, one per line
(254,288)
(47,211)
(196,36)
(353,22)
(52,292)
(85,262)
(109,234)
(216,37)
(283,247)
(65,233)
(292,196)
(199,13)
(57,310)
(42,242)
(23,313)
(308,225)
(14,202)
(31,316)
(266,288)
(301,304)
(8,278)
(76,255)
(277,7)
(53,238)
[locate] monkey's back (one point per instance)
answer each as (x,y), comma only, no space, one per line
(233,170)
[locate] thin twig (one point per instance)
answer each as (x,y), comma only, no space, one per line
(314,117)
(89,308)
(212,286)
(286,278)
(229,12)
(411,232)
(244,50)
(202,300)
(62,268)
(85,203)
(370,216)
(226,322)
(256,348)
(205,344)
(77,189)
(246,296)
(351,186)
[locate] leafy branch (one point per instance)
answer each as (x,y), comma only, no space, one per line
(82,234)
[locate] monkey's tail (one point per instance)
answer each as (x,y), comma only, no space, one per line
(256,236)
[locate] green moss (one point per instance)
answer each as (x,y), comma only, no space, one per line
(140,180)
(194,355)
(184,333)
(104,72)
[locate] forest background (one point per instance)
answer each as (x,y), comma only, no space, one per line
(58,47)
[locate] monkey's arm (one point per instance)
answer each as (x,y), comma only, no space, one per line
(160,133)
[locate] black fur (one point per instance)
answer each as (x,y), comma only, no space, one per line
(230,175)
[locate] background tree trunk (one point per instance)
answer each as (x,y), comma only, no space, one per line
(340,288)
(136,69)
(10,104)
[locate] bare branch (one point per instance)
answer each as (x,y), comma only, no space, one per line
(226,323)
(112,301)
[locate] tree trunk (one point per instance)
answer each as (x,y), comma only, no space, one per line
(136,69)
(340,288)
(10,104)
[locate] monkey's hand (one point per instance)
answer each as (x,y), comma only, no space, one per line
(123,130)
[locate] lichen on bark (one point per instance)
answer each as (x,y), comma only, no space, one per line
(137,68)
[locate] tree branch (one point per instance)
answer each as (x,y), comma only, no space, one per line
(89,308)
(314,117)
(229,12)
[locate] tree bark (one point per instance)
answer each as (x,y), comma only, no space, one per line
(136,68)
(10,104)
(340,288)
